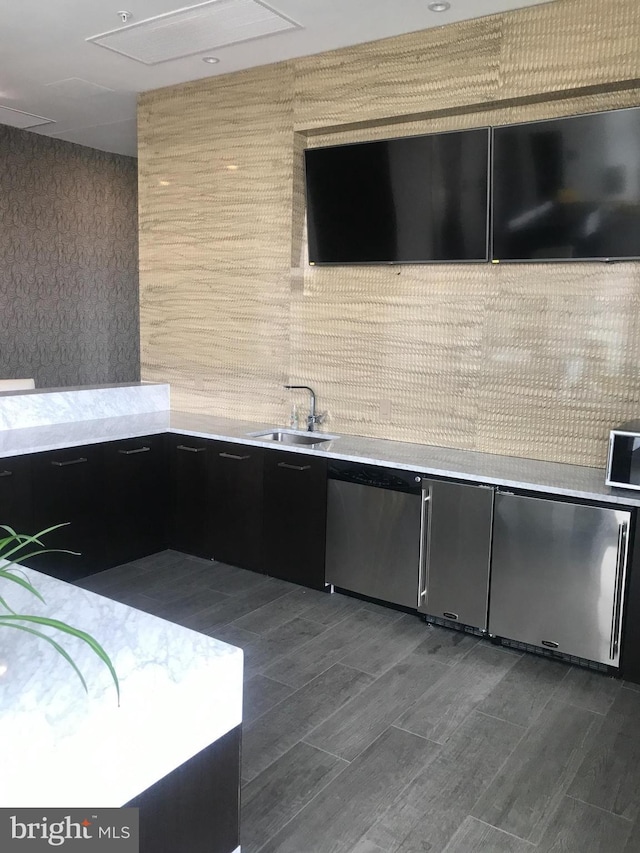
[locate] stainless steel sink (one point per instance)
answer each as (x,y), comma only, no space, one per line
(284,436)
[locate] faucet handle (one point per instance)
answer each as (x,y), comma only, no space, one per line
(319,418)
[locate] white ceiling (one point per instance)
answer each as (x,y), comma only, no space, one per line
(87,92)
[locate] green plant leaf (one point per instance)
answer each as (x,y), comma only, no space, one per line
(4,604)
(12,546)
(22,557)
(7,575)
(93,644)
(26,540)
(56,646)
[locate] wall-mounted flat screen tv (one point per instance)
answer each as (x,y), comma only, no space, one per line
(568,188)
(417,199)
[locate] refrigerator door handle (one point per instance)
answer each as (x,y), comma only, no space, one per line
(621,562)
(425,541)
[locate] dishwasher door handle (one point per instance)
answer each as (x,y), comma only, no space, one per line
(425,543)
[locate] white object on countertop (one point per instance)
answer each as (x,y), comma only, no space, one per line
(17,384)
(180,692)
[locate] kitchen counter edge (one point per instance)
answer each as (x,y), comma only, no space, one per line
(508,472)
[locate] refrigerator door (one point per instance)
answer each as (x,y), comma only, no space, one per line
(456,551)
(557,575)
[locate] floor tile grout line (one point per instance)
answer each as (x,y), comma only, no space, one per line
(291,592)
(504,831)
(279,657)
(420,770)
(630,820)
(327,752)
(401,794)
(291,696)
(345,764)
(341,707)
(500,769)
(501,719)
(346,654)
(576,758)
(269,678)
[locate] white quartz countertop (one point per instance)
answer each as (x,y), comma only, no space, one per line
(507,471)
(180,692)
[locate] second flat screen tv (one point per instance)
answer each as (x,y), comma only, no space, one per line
(417,199)
(568,188)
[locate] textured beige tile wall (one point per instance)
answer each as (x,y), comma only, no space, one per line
(216,179)
(533,360)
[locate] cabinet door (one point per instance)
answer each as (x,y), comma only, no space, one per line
(456,551)
(16,509)
(189,523)
(68,488)
(557,575)
(135,497)
(295,517)
(236,505)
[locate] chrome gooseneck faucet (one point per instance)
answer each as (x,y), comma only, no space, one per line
(312,419)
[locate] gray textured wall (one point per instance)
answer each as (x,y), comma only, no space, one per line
(68,262)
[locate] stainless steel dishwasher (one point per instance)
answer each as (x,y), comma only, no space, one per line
(373,531)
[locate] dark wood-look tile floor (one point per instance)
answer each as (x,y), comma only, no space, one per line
(367,731)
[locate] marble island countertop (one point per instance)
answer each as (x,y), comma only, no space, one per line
(152,414)
(180,692)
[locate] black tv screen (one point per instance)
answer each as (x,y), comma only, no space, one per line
(417,199)
(568,188)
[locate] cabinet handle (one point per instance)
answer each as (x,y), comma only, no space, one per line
(6,473)
(425,544)
(135,450)
(234,456)
(621,562)
(191,449)
(293,467)
(69,462)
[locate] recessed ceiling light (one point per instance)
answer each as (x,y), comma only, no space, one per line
(210,59)
(439,7)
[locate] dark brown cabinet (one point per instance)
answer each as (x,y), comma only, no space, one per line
(16,509)
(68,488)
(135,498)
(236,504)
(171,810)
(189,511)
(295,517)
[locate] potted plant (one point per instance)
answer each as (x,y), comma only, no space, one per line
(17,549)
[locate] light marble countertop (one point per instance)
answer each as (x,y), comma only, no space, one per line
(506,471)
(180,692)
(46,406)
